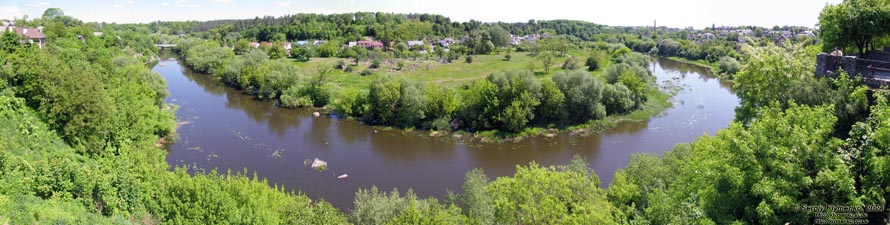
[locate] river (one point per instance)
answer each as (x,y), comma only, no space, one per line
(225,129)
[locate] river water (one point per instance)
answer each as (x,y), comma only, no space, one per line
(225,129)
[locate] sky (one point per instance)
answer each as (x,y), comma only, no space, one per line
(671,13)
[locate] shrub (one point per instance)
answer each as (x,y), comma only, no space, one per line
(469,59)
(592,63)
(367,72)
(571,63)
(729,65)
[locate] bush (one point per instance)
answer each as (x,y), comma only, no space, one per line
(592,63)
(617,98)
(729,65)
(571,63)
(583,95)
(367,72)
(375,64)
(507,57)
(469,59)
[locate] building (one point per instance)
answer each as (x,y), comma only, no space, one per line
(370,44)
(29,35)
(446,42)
(415,44)
(255,44)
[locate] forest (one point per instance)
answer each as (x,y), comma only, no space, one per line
(81,117)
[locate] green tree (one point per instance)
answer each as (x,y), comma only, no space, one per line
(52,13)
(546,60)
(592,63)
(571,63)
(277,51)
(242,47)
(583,95)
(499,36)
(854,23)
(383,99)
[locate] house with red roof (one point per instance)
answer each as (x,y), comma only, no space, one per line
(31,35)
(370,44)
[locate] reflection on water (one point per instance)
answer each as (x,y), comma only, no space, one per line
(230,130)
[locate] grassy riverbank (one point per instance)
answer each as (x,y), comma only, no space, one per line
(430,70)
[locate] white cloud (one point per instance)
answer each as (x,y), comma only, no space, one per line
(283,3)
(219,1)
(131,2)
(117,5)
(38,4)
(11,11)
(181,4)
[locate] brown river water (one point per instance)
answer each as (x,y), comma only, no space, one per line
(225,129)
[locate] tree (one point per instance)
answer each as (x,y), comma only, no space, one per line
(242,46)
(583,95)
(277,51)
(499,36)
(412,104)
(571,63)
(546,60)
(728,65)
(278,37)
(856,23)
(9,42)
(551,195)
(552,103)
(476,202)
(383,99)
(52,13)
(592,63)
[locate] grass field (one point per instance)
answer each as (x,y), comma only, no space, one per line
(453,74)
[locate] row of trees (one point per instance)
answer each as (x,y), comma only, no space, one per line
(507,101)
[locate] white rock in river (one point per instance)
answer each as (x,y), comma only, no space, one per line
(316,114)
(318,163)
(343,176)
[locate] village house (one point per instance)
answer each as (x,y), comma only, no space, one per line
(515,40)
(707,36)
(415,44)
(29,35)
(370,44)
(446,42)
(255,44)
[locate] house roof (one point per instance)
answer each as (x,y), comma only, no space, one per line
(410,43)
(31,33)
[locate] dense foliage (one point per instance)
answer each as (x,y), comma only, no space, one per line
(508,101)
(80,120)
(858,24)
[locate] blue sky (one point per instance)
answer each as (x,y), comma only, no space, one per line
(674,13)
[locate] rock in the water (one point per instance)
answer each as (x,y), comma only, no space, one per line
(319,164)
(343,176)
(316,114)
